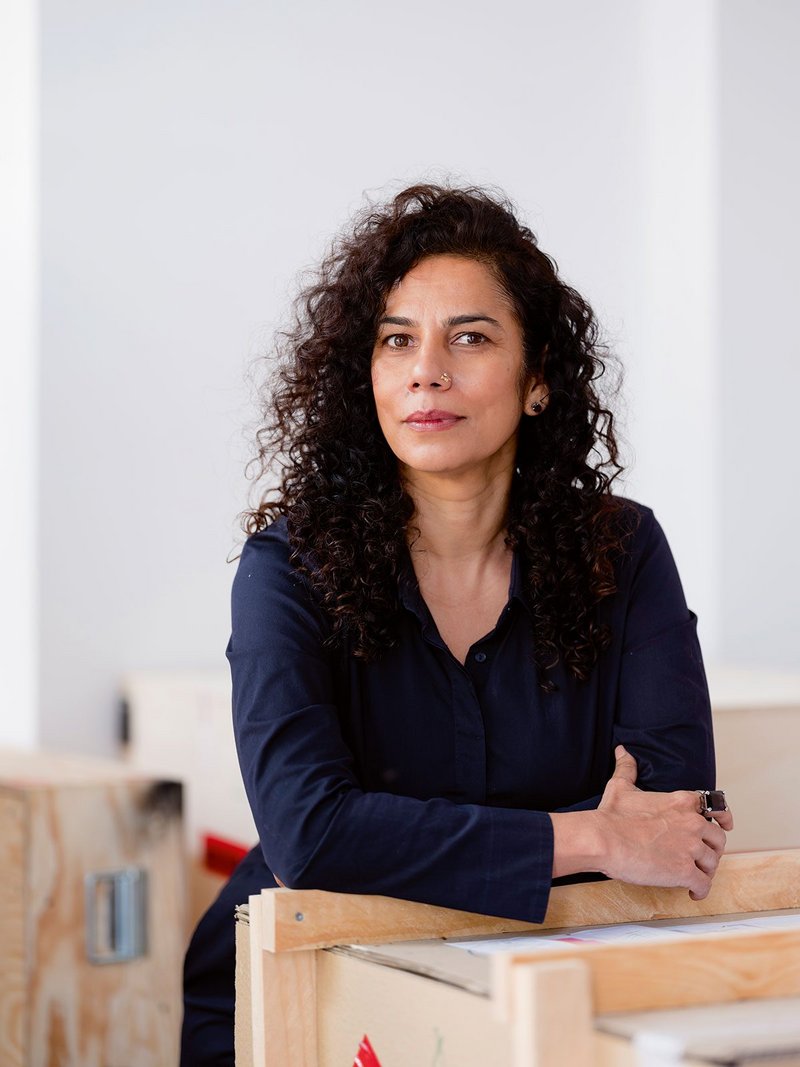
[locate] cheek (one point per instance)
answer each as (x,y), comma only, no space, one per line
(381,393)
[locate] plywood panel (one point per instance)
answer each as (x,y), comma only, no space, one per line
(13,969)
(409,1019)
(88,1015)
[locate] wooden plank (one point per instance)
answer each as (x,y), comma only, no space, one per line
(258,1048)
(283,991)
(290,1008)
(308,918)
(741,1031)
(552,1022)
(747,881)
(692,969)
(611,1051)
(243,1018)
(14,1014)
(23,769)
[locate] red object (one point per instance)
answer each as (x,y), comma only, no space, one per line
(365,1057)
(221,856)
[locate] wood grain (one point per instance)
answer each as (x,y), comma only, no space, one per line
(748,881)
(13,964)
(756,881)
(283,990)
(255,986)
(689,970)
(61,819)
(243,1021)
(84,1013)
(410,1020)
(552,1014)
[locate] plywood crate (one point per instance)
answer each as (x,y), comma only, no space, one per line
(178,724)
(317,972)
(92,923)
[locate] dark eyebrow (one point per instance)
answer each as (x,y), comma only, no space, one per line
(464,320)
(455,320)
(395,320)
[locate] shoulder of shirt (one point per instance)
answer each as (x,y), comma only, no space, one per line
(277,533)
(268,555)
(640,531)
(635,518)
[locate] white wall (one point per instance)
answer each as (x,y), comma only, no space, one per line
(155,266)
(196,156)
(674,424)
(19,316)
(760,350)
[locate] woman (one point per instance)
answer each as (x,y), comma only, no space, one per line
(461,667)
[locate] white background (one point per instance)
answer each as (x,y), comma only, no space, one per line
(169,168)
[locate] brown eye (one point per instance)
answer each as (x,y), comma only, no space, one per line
(470,340)
(397,340)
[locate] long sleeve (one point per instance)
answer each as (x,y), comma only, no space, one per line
(318,827)
(663,710)
(654,682)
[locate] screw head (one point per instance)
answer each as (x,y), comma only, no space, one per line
(298,915)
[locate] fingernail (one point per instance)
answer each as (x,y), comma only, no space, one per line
(619,751)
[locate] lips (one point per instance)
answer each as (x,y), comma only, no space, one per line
(433,420)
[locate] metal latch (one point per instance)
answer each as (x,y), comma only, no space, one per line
(116,915)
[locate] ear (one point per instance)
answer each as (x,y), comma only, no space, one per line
(536,398)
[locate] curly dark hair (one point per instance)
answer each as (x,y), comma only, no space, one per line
(349,517)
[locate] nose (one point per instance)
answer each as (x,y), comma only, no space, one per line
(428,371)
(444,381)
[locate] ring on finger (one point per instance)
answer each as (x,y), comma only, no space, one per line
(712,802)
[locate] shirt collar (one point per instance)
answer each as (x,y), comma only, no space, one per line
(411,597)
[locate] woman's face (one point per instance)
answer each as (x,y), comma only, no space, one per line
(449,316)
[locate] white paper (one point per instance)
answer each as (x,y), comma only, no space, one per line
(620,934)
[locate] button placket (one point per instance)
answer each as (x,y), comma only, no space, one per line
(470,738)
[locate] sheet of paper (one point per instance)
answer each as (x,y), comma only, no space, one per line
(622,933)
(765,922)
(601,935)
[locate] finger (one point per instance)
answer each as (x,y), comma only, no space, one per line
(625,765)
(707,859)
(714,837)
(686,799)
(699,885)
(724,818)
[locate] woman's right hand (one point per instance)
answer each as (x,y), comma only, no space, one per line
(657,839)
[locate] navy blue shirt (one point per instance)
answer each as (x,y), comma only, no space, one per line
(420,777)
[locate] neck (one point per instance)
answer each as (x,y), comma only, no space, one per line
(459,517)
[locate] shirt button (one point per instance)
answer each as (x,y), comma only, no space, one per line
(480,657)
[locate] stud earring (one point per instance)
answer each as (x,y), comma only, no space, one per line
(537,407)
